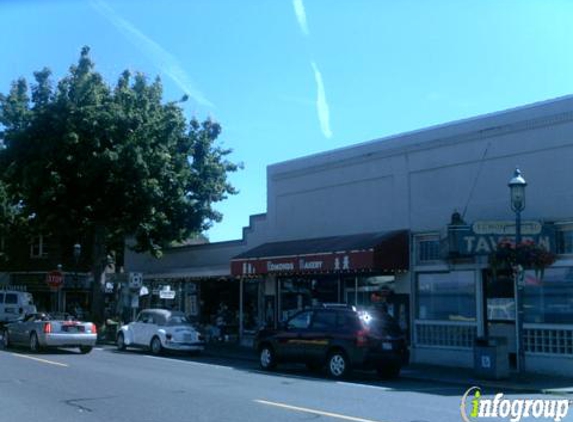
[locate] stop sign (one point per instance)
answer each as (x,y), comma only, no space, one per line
(55,279)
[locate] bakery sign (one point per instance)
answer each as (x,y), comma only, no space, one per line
(327,262)
(482,237)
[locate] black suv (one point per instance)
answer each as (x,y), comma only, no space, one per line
(338,337)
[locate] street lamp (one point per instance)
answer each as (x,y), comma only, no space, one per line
(517,186)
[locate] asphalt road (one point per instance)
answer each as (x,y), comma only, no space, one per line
(133,386)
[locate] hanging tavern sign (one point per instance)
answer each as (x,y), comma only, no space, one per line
(482,237)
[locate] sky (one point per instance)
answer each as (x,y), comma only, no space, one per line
(290,78)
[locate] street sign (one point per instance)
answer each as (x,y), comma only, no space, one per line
(55,279)
(135,280)
(166,293)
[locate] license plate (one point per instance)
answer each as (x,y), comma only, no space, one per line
(70,329)
(386,345)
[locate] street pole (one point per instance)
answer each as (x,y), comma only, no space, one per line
(517,186)
(519,301)
(241,309)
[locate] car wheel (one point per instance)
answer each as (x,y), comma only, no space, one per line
(84,350)
(267,358)
(120,342)
(337,364)
(34,343)
(388,371)
(155,346)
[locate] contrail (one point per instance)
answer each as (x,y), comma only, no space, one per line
(164,60)
(321,103)
(300,15)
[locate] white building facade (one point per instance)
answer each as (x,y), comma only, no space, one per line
(414,183)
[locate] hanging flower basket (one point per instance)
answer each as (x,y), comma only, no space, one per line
(528,254)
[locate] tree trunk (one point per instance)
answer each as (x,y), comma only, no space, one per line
(98,271)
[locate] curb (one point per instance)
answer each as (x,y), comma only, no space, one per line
(481,383)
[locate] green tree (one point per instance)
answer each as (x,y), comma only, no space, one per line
(87,160)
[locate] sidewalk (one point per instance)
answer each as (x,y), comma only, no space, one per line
(530,383)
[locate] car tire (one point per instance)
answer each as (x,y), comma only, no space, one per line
(84,350)
(34,343)
(337,364)
(120,342)
(155,346)
(388,371)
(267,358)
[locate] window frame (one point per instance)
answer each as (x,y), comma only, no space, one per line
(426,238)
(38,242)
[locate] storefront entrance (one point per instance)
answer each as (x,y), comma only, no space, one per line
(499,309)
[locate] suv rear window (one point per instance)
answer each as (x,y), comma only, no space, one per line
(348,320)
(11,298)
(380,322)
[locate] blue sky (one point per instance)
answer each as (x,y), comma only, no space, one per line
(288,78)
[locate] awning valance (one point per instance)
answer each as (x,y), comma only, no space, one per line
(375,252)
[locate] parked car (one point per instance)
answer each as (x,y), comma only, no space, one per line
(339,338)
(42,330)
(15,304)
(158,330)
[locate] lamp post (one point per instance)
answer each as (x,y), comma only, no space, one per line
(517,186)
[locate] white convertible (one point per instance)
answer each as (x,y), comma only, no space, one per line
(158,330)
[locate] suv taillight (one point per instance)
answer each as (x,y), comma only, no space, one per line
(362,338)
(94,329)
(47,328)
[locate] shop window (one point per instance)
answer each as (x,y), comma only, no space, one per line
(447,296)
(428,249)
(549,299)
(38,247)
(565,241)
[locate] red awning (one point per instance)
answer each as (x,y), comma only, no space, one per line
(373,252)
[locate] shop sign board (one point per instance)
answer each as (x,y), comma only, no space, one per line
(327,262)
(166,293)
(482,237)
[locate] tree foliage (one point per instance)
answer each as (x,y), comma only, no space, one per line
(81,157)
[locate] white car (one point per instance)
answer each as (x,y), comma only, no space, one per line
(158,330)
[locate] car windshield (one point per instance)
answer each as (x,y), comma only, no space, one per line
(178,319)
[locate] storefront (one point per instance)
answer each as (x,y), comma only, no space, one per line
(73,296)
(279,279)
(462,292)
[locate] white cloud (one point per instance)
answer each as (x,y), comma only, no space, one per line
(165,61)
(321,103)
(300,15)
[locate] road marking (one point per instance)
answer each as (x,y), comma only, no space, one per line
(50,362)
(375,387)
(189,362)
(314,412)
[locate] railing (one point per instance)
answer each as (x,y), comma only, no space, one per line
(546,339)
(445,334)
